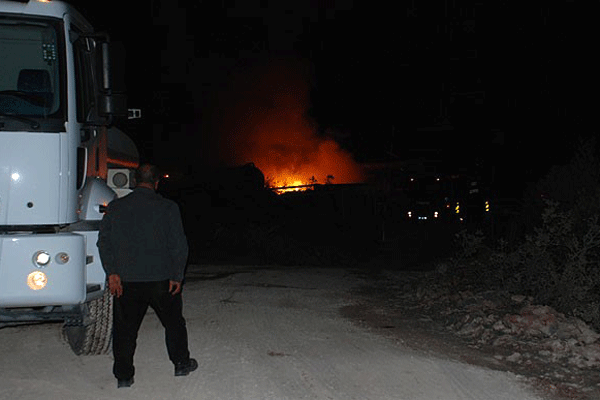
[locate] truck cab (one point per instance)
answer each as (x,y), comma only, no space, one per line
(58,146)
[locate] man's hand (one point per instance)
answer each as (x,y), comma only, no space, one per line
(174,287)
(114,285)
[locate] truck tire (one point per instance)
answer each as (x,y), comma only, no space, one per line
(91,333)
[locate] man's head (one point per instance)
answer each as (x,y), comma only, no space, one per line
(147,175)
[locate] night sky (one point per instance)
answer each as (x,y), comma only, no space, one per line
(475,84)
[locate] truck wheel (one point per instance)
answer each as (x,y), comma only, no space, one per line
(91,334)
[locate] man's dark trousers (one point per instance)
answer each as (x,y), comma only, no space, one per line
(129,311)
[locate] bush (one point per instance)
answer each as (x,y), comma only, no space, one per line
(574,186)
(558,263)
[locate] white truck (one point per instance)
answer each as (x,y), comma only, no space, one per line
(61,162)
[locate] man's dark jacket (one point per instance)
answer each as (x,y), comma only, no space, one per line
(142,239)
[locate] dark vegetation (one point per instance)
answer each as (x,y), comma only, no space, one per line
(553,252)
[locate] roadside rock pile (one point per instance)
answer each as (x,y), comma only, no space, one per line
(558,338)
(529,338)
(498,319)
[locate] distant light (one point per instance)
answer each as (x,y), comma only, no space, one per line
(15,176)
(166,176)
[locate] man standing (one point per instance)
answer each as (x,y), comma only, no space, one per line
(144,251)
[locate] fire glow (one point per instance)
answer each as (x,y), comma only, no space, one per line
(315,161)
(270,128)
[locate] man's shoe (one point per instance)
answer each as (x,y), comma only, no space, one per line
(184,368)
(123,383)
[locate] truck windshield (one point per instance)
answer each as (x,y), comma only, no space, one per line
(30,82)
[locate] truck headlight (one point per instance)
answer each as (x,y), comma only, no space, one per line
(41,258)
(37,280)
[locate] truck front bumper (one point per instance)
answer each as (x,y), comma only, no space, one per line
(24,283)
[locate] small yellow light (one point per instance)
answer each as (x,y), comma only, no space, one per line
(62,258)
(37,280)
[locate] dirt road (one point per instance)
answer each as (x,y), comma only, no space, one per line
(258,333)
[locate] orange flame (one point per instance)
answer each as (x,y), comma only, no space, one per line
(270,129)
(324,162)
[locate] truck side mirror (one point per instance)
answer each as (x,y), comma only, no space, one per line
(110,103)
